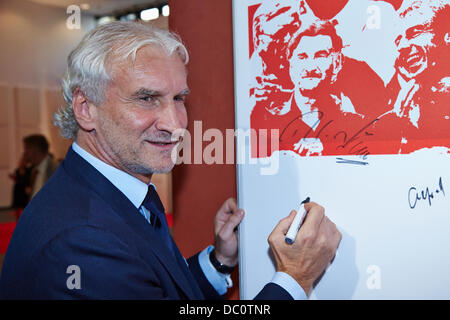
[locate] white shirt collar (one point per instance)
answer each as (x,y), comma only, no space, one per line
(41,166)
(134,189)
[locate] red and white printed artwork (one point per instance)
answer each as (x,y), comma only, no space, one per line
(331,88)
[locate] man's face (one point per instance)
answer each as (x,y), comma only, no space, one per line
(413,48)
(30,154)
(143,106)
(27,153)
(311,62)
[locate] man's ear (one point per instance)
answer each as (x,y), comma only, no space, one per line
(83,110)
(337,65)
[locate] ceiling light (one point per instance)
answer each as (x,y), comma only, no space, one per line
(128,17)
(150,14)
(165,10)
(105,20)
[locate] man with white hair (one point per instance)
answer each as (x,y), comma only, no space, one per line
(97,230)
(414,44)
(419,90)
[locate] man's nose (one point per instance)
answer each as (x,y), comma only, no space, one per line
(171,118)
(312,71)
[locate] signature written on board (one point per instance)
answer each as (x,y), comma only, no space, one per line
(329,132)
(416,195)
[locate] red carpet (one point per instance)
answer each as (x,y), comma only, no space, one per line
(6,231)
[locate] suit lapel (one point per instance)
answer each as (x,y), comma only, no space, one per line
(81,170)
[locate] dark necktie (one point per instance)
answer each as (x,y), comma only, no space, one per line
(158,220)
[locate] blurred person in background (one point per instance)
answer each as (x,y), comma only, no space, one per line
(22,182)
(36,152)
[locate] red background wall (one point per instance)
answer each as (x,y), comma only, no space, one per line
(199,189)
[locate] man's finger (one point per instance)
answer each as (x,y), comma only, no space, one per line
(230,205)
(314,216)
(233,221)
(285,223)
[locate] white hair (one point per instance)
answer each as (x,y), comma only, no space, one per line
(88,65)
(421,10)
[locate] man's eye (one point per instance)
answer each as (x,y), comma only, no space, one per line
(322,54)
(302,56)
(417,33)
(180,98)
(147,98)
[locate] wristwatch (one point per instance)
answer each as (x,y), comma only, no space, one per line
(222,268)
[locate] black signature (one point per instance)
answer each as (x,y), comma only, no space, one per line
(414,195)
(353,143)
(358,148)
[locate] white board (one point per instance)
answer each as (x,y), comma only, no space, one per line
(389,199)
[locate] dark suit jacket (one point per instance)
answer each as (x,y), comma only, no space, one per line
(80,218)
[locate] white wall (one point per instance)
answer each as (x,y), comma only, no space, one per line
(35,42)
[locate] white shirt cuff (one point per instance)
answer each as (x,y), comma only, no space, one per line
(221,282)
(290,285)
